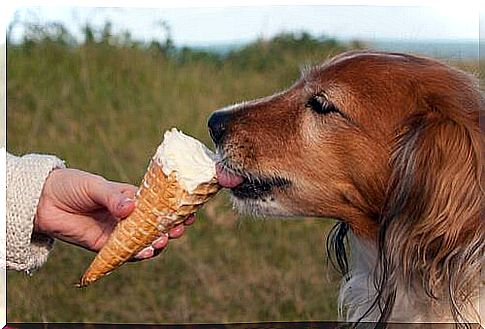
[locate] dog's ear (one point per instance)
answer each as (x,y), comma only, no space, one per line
(431,233)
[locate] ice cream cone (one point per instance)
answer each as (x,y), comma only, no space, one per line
(161,202)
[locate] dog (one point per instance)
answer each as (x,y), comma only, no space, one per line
(390,146)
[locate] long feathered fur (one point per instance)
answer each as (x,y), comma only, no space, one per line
(431,238)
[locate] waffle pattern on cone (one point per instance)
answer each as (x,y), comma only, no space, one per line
(161,203)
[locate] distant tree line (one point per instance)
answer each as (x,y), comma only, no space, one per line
(260,53)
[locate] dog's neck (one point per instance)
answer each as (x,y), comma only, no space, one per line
(358,292)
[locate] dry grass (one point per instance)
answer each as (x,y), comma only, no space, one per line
(103,109)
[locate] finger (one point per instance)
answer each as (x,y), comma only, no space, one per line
(110,196)
(124,208)
(176,232)
(127,189)
(190,220)
(129,194)
(145,253)
(161,242)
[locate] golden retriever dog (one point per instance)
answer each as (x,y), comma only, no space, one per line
(390,146)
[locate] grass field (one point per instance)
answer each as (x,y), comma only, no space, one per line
(103,108)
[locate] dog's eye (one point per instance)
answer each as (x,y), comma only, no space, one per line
(319,104)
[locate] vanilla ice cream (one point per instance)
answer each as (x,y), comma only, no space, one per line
(191,160)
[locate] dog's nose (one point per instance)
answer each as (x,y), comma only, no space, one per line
(218,123)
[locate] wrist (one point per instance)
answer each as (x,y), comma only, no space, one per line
(45,199)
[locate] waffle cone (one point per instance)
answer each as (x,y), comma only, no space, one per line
(160,204)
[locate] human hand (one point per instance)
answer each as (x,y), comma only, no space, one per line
(83,209)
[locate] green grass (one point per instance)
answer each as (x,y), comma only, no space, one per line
(103,109)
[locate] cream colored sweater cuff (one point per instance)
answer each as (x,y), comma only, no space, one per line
(26,251)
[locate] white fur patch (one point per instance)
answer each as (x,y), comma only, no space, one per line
(358,292)
(258,207)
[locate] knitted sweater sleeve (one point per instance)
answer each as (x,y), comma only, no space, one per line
(26,250)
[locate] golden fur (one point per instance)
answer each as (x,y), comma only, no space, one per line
(389,145)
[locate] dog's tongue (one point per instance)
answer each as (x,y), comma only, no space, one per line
(227,179)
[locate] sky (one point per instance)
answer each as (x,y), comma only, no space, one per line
(211,25)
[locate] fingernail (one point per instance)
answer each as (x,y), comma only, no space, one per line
(127,200)
(176,232)
(124,203)
(161,242)
(146,253)
(190,220)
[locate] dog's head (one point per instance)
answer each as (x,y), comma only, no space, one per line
(331,144)
(390,144)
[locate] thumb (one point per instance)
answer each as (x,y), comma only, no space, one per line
(124,207)
(112,198)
